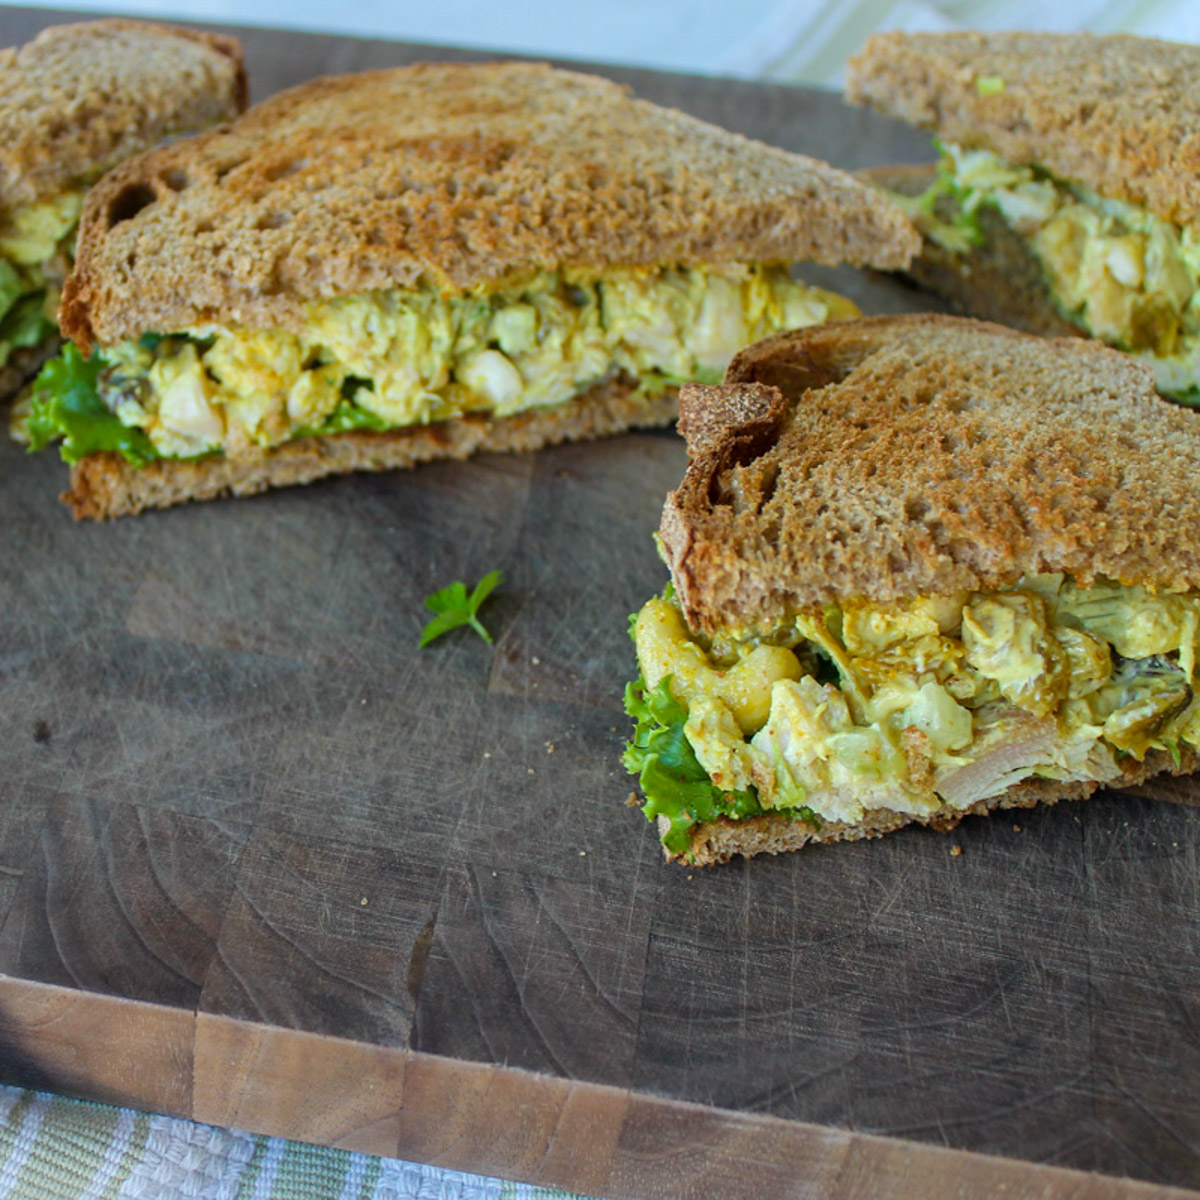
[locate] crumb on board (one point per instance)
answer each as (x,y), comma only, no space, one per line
(955,851)
(1016,829)
(631,801)
(364,902)
(550,747)
(532,771)
(487,754)
(537,662)
(583,854)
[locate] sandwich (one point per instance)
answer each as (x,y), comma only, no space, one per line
(921,567)
(1066,196)
(77,100)
(373,270)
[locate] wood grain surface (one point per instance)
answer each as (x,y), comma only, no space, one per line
(264,863)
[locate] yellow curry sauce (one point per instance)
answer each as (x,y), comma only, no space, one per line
(411,357)
(946,700)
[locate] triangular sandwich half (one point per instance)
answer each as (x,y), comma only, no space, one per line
(74,101)
(372,270)
(1067,196)
(920,567)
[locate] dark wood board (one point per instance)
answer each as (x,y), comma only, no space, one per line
(265,864)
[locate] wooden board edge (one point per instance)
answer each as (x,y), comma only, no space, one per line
(488,1119)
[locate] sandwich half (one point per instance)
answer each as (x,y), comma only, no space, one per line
(373,270)
(1066,198)
(921,567)
(75,101)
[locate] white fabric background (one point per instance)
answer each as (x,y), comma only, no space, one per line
(796,40)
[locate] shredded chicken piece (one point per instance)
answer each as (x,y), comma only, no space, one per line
(1021,743)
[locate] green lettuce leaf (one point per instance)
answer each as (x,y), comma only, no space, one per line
(66,405)
(346,418)
(1189,396)
(11,286)
(674,783)
(22,319)
(24,324)
(945,212)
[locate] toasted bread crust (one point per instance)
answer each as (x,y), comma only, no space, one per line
(79,98)
(921,455)
(772,833)
(105,485)
(999,280)
(1119,114)
(458,176)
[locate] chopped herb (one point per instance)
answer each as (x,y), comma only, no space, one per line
(989,85)
(454,608)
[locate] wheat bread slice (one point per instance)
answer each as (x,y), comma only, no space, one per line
(105,485)
(454,176)
(920,455)
(79,98)
(999,280)
(1119,114)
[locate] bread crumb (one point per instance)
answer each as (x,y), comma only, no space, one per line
(537,662)
(583,854)
(532,771)
(1016,829)
(690,876)
(487,754)
(955,851)
(549,747)
(364,902)
(631,801)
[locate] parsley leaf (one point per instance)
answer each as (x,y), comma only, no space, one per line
(454,608)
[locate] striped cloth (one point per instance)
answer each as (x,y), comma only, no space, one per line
(52,1148)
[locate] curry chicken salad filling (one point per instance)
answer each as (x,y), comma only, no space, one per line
(1121,273)
(397,358)
(36,247)
(908,706)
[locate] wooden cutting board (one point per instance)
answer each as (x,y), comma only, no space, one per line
(266,864)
